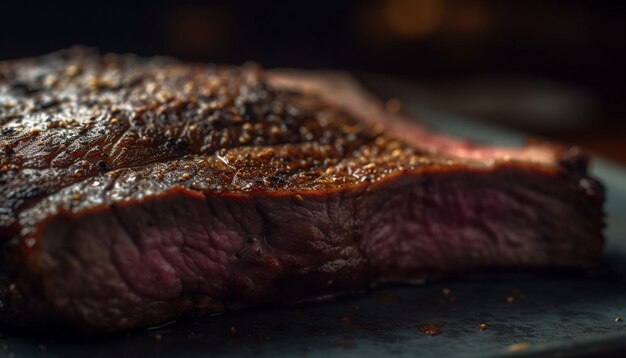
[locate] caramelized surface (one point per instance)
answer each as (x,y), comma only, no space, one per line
(72,116)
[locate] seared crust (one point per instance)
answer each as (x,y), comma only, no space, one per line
(74,115)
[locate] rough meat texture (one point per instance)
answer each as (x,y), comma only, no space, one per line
(137,191)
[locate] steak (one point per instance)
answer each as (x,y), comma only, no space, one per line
(136,191)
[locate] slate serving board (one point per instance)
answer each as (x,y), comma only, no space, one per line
(549,315)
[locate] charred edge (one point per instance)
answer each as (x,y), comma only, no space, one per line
(16,203)
(574,164)
(573,161)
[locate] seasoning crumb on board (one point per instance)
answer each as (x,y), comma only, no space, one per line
(619,319)
(515,295)
(158,337)
(518,347)
(232,330)
(433,329)
(482,326)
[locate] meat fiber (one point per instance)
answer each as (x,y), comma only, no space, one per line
(136,191)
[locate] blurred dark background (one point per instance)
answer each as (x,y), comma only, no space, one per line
(551,68)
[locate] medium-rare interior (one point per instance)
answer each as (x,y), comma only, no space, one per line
(136,191)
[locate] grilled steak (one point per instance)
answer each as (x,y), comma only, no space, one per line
(135,191)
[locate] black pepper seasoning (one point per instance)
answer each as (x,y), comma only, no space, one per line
(103,165)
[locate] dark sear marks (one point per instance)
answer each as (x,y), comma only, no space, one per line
(77,115)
